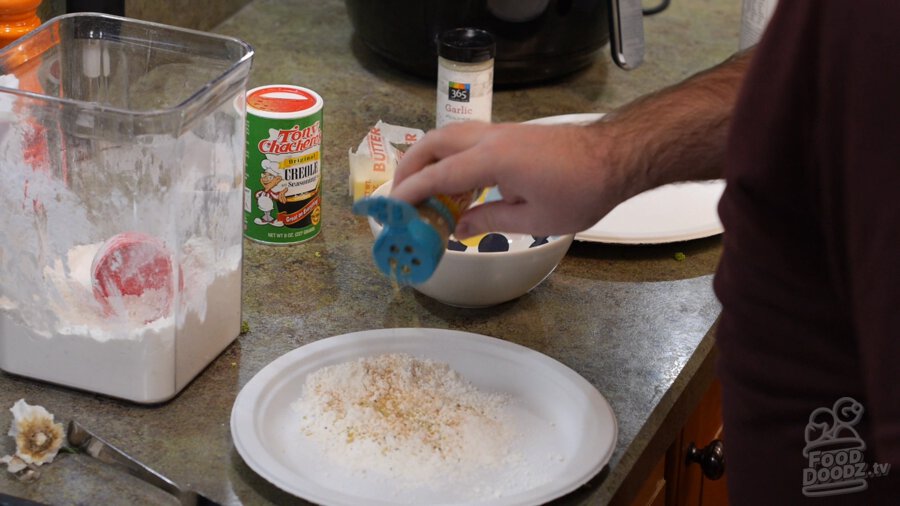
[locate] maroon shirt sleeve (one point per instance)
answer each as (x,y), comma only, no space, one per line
(810,273)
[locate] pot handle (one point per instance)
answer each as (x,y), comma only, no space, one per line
(626,33)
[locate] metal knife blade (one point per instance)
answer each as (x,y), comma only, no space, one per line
(87,443)
(627,33)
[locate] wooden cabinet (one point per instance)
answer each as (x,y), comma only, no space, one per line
(688,485)
(653,491)
(674,482)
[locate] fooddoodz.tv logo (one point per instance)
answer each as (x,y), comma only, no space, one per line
(835,452)
(459,92)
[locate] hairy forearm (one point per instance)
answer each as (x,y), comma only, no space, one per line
(678,133)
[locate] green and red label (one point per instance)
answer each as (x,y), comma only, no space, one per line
(283,173)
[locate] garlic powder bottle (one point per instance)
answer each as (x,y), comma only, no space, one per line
(465,80)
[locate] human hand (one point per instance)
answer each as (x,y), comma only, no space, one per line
(553,179)
(563,178)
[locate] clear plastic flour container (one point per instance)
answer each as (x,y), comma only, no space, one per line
(121,155)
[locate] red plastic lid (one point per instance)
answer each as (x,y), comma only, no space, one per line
(283,99)
(132,263)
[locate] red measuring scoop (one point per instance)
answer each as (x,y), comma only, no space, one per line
(134,264)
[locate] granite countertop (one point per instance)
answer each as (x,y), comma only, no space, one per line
(632,320)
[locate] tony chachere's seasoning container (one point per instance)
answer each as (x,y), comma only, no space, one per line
(465,81)
(413,238)
(283,173)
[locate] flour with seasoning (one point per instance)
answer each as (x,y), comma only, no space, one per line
(414,421)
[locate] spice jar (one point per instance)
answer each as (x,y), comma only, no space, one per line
(465,80)
(414,238)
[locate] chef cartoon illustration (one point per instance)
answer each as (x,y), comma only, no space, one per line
(274,188)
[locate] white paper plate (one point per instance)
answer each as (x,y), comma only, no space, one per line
(568,430)
(670,213)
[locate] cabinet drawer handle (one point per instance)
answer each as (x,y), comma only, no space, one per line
(711,458)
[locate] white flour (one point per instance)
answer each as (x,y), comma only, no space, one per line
(125,357)
(415,422)
(66,189)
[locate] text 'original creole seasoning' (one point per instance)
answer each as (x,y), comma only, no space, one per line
(283,179)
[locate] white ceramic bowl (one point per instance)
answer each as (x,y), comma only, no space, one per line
(472,278)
